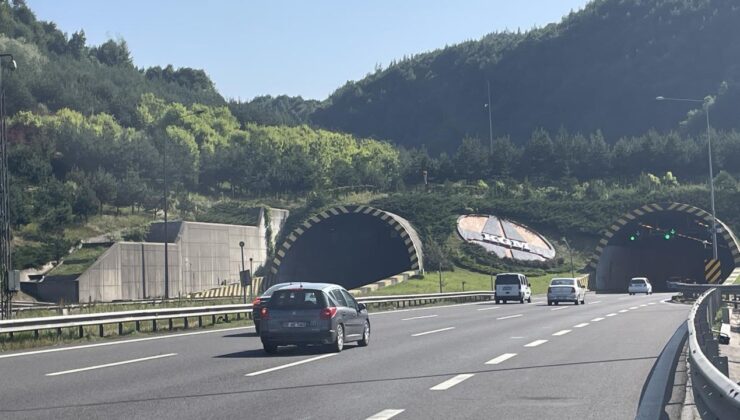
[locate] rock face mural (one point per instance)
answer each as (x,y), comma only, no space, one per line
(505,238)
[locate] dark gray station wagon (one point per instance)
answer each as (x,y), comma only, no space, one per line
(313,313)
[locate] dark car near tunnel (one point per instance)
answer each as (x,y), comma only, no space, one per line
(313,313)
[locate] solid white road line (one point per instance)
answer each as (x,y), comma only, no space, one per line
(432,332)
(611,314)
(385,414)
(509,317)
(419,317)
(561,332)
(581,325)
(395,311)
(557,309)
(107,365)
(117,342)
(535,343)
(621,311)
(488,309)
(300,362)
(597,319)
(451,382)
(499,359)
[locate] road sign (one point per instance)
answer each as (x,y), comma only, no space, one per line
(246,278)
(712,270)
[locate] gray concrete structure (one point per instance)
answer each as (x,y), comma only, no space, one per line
(201,256)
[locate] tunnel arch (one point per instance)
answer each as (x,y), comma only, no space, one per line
(622,252)
(348,245)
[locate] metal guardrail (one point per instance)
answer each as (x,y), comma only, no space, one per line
(708,369)
(169,314)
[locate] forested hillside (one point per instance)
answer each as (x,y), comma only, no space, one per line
(599,69)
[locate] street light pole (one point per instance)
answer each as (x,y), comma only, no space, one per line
(490,120)
(251,273)
(6,265)
(706,103)
(164,193)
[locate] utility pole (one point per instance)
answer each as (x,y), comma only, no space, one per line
(440,277)
(6,264)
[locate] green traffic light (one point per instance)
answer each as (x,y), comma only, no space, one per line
(673,231)
(632,237)
(667,236)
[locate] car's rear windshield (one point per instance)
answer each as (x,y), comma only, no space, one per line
(507,279)
(272,289)
(562,282)
(298,299)
(637,281)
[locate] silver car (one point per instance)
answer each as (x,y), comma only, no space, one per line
(566,289)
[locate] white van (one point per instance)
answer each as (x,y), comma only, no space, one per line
(567,289)
(512,286)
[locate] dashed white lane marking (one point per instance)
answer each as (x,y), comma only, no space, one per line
(594,302)
(561,332)
(419,317)
(488,309)
(535,343)
(643,305)
(107,365)
(386,414)
(633,307)
(581,325)
(451,382)
(621,311)
(611,314)
(597,319)
(300,362)
(651,303)
(432,332)
(557,309)
(509,317)
(516,338)
(499,359)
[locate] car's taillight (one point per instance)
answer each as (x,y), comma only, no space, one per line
(264,313)
(328,313)
(256,301)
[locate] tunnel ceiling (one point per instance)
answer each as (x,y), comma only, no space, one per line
(670,242)
(348,245)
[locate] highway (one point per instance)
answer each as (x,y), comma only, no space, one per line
(470,361)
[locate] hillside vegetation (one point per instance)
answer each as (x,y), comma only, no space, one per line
(598,69)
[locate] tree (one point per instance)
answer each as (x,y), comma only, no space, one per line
(105,186)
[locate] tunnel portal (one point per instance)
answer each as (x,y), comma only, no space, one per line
(349,245)
(663,243)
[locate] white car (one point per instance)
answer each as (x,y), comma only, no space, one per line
(640,285)
(512,286)
(567,289)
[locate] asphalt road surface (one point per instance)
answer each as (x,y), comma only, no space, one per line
(471,361)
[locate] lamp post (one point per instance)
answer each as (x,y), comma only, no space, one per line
(241,246)
(706,102)
(490,120)
(251,271)
(570,251)
(164,194)
(5,244)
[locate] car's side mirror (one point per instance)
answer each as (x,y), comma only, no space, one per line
(361,307)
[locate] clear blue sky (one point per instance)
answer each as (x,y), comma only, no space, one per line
(306,48)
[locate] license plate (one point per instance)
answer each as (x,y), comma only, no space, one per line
(507,288)
(294,324)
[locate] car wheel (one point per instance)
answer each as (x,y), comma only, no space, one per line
(576,302)
(549,303)
(529,299)
(269,348)
(338,344)
(583,301)
(497,301)
(365,335)
(521,299)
